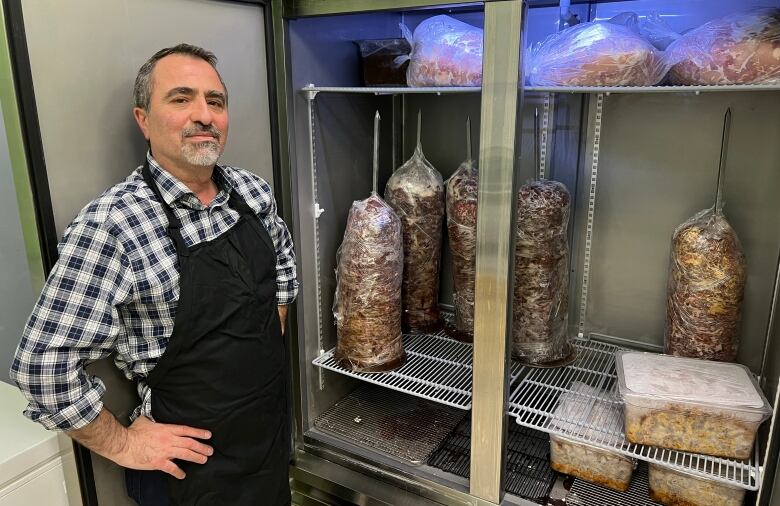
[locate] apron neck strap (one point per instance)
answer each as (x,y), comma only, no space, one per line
(239,204)
(174,225)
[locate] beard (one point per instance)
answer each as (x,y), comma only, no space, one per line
(201,154)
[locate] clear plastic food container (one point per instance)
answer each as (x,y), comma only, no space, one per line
(672,487)
(687,404)
(578,413)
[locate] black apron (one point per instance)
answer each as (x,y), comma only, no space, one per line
(226,368)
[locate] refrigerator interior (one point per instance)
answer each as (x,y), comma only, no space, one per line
(654,158)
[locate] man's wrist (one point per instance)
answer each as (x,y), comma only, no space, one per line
(104,436)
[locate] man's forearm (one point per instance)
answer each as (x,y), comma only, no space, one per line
(145,445)
(104,435)
(282,316)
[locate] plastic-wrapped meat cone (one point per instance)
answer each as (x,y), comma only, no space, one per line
(540,334)
(367,305)
(462,189)
(416,192)
(706,288)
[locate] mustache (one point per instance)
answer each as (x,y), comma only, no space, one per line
(209,130)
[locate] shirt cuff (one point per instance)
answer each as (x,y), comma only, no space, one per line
(75,416)
(286,292)
(145,408)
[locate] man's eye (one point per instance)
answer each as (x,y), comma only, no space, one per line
(215,103)
(179,100)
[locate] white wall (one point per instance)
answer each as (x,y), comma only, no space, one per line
(84,56)
(16,282)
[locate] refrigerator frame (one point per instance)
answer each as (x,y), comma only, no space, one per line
(494,259)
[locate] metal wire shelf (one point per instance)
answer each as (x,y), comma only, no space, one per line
(437,368)
(312,90)
(533,401)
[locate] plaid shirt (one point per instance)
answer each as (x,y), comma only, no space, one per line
(115,288)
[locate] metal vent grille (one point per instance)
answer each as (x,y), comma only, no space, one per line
(404,427)
(583,493)
(528,473)
(437,368)
(534,399)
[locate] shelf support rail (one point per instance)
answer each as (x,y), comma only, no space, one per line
(317,212)
(594,134)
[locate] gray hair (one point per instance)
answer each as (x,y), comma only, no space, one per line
(142,91)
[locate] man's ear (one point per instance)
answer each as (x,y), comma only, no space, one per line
(140,115)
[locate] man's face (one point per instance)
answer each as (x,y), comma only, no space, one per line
(187,121)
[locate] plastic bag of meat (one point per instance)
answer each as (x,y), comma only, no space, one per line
(416,193)
(705,291)
(367,305)
(739,48)
(462,229)
(445,52)
(541,293)
(599,53)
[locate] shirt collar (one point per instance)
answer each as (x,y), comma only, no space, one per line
(172,190)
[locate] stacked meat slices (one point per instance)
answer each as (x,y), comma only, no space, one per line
(445,52)
(601,53)
(462,228)
(367,306)
(742,48)
(542,274)
(706,288)
(416,193)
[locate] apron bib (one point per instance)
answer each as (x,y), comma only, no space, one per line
(226,367)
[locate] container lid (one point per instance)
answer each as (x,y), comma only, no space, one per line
(688,380)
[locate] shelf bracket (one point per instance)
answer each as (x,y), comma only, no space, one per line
(310,94)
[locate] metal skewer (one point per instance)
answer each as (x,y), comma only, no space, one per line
(419,125)
(724,148)
(468,138)
(537,156)
(376,151)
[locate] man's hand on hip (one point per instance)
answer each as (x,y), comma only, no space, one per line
(152,445)
(145,445)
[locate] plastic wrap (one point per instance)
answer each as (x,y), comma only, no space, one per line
(367,305)
(741,48)
(377,61)
(445,52)
(540,335)
(416,192)
(577,410)
(675,488)
(462,189)
(691,405)
(600,53)
(656,31)
(705,290)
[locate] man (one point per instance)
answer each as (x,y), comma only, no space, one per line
(185,271)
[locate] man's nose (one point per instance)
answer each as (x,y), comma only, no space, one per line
(200,112)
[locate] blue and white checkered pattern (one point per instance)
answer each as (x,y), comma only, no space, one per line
(115,288)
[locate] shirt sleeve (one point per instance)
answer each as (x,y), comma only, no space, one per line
(75,321)
(286,277)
